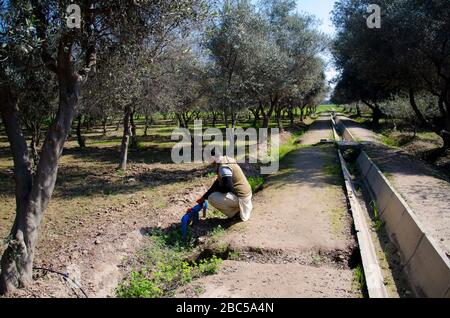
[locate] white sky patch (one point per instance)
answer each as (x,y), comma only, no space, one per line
(321,9)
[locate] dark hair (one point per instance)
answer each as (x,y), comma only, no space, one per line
(214,153)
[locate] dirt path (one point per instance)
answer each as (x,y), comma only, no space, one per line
(298,242)
(425,189)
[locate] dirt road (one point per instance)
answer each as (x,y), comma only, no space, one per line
(298,242)
(423,187)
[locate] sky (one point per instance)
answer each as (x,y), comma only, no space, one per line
(321,9)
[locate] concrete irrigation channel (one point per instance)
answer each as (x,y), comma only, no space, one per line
(424,263)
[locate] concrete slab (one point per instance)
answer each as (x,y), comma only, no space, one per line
(429,270)
(344,145)
(392,216)
(376,181)
(407,234)
(385,197)
(447,294)
(363,164)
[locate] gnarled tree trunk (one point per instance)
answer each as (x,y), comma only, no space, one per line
(33,192)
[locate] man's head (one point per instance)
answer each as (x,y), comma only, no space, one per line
(215,157)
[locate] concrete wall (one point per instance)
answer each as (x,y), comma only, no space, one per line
(342,130)
(426,265)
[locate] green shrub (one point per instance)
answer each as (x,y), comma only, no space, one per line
(217,231)
(209,266)
(139,286)
(165,268)
(255,183)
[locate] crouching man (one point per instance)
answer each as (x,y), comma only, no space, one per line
(230,193)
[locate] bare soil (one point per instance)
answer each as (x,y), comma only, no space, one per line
(98,216)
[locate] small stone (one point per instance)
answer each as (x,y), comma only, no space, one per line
(97,241)
(201,240)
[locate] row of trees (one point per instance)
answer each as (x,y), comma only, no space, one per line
(183,57)
(45,66)
(244,58)
(407,59)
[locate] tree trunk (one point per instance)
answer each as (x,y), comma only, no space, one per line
(146,125)
(377,114)
(358,110)
(256,115)
(180,120)
(34,142)
(88,122)
(104,122)
(233,119)
(279,114)
(301,113)
(125,138)
(446,138)
(214,119)
(80,138)
(33,194)
(134,141)
(34,152)
(291,116)
(185,118)
(225,117)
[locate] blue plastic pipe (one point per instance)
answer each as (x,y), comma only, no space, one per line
(192,216)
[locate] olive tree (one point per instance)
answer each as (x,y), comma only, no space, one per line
(39,28)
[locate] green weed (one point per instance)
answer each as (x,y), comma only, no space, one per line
(217,231)
(255,183)
(234,255)
(377,221)
(359,279)
(164,269)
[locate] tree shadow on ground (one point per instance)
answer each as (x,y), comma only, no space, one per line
(397,161)
(79,182)
(111,155)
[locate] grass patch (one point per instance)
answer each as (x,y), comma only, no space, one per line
(395,139)
(289,146)
(377,221)
(164,268)
(359,280)
(255,183)
(428,135)
(332,169)
(234,255)
(217,232)
(389,141)
(327,108)
(336,220)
